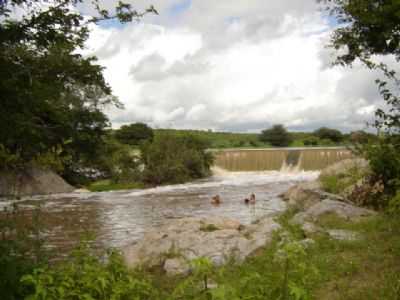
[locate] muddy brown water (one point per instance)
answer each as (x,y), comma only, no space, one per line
(120,218)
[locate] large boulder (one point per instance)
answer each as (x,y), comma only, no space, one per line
(328,206)
(32,181)
(182,240)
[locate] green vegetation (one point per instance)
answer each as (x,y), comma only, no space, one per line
(277,136)
(339,184)
(370,29)
(134,134)
(221,140)
(366,268)
(173,159)
(325,133)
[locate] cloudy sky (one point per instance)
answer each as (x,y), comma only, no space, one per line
(231,66)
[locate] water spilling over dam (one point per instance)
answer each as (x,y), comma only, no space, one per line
(285,159)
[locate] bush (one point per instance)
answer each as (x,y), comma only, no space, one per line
(384,159)
(311,141)
(172,159)
(84,276)
(21,250)
(277,136)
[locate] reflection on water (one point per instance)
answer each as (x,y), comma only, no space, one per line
(120,218)
(307,159)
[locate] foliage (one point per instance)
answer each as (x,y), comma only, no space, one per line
(311,141)
(394,204)
(288,269)
(339,183)
(21,250)
(196,286)
(172,159)
(330,134)
(369,27)
(370,30)
(52,96)
(84,276)
(384,159)
(134,134)
(276,136)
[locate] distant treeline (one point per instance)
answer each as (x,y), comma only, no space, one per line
(255,140)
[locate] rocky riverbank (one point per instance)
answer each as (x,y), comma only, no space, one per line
(175,244)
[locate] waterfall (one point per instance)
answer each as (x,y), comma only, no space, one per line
(286,159)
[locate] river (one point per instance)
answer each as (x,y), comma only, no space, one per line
(120,218)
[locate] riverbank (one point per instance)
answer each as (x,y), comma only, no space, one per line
(319,247)
(324,249)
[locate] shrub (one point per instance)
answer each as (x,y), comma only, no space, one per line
(84,276)
(20,251)
(277,136)
(172,159)
(384,158)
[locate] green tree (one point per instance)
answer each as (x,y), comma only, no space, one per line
(330,134)
(52,96)
(175,159)
(370,29)
(134,134)
(277,136)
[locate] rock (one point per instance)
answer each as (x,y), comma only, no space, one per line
(310,228)
(327,206)
(32,181)
(341,209)
(301,197)
(176,266)
(345,166)
(344,235)
(186,238)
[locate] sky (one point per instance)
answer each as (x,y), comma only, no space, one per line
(225,65)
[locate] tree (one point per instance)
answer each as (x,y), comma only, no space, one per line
(52,96)
(277,136)
(175,159)
(369,29)
(134,134)
(330,134)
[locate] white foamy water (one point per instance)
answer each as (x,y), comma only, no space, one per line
(121,217)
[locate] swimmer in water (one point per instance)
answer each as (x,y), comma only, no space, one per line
(216,200)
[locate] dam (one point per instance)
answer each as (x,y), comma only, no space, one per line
(279,159)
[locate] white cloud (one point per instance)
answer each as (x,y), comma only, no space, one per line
(226,65)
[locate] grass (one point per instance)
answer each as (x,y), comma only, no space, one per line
(368,268)
(108,185)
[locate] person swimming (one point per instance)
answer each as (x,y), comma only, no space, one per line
(216,200)
(252,199)
(246,201)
